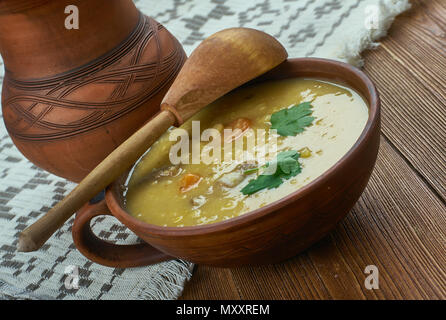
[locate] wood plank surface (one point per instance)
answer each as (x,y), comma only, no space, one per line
(399,222)
(410,71)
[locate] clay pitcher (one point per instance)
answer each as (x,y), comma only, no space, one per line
(70,96)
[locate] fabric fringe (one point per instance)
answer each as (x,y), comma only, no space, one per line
(169,283)
(388,10)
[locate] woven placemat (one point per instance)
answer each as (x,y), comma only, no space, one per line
(324,28)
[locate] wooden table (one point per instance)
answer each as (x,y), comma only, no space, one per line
(399,222)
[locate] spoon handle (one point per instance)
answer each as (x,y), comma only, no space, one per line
(122,158)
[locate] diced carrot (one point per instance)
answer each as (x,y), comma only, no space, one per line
(189,181)
(242,124)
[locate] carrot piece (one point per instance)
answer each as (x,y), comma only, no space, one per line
(242,124)
(189,181)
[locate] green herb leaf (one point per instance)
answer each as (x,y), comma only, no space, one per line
(249,171)
(287,161)
(262,182)
(287,166)
(291,121)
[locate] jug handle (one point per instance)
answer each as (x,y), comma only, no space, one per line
(107,253)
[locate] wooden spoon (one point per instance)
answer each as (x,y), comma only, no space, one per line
(222,62)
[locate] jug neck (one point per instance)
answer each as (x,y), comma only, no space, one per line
(35,43)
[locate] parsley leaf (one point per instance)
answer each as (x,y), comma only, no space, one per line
(287,166)
(262,182)
(287,161)
(291,121)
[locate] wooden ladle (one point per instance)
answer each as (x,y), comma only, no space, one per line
(222,62)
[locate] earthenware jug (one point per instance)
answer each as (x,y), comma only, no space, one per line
(72,94)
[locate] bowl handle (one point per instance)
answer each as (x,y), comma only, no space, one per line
(105,252)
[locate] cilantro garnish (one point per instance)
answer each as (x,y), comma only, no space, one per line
(291,121)
(262,182)
(287,166)
(287,122)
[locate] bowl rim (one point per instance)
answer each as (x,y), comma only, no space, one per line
(237,222)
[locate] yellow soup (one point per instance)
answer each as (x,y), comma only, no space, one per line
(209,184)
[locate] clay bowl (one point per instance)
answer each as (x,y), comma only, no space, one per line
(270,234)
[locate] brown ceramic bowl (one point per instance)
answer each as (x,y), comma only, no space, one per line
(270,234)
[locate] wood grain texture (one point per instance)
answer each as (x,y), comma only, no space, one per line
(399,222)
(410,71)
(219,285)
